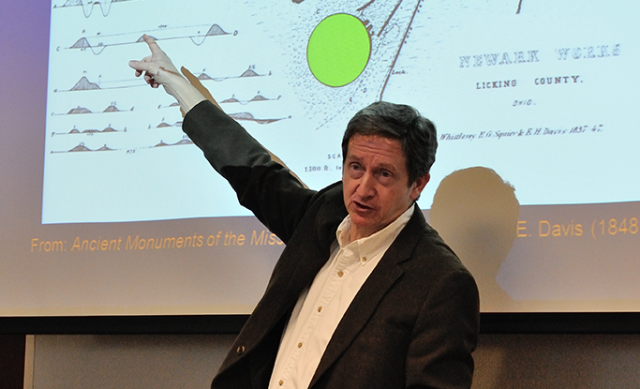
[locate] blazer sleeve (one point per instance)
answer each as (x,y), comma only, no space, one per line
(445,335)
(267,188)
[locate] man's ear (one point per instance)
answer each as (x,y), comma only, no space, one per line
(418,186)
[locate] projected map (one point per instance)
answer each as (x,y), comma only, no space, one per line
(540,107)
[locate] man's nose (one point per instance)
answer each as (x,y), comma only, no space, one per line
(366,187)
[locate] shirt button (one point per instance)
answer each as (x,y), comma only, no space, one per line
(300,345)
(319,309)
(281,383)
(364,259)
(240,350)
(340,273)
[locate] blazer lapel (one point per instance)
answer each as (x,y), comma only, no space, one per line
(386,273)
(296,269)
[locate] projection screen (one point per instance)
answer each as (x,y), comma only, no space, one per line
(108,209)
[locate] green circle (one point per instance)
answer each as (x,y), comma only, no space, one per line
(338,50)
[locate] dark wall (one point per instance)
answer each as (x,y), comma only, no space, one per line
(12,361)
(503,361)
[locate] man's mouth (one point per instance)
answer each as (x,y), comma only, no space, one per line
(362,207)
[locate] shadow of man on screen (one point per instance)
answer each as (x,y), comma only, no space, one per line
(476,213)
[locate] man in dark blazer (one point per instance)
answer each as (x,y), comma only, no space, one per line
(412,322)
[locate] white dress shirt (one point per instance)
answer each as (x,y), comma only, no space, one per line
(321,306)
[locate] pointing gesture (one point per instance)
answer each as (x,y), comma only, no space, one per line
(158,69)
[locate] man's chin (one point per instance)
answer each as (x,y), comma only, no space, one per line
(362,222)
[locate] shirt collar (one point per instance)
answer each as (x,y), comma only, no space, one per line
(373,244)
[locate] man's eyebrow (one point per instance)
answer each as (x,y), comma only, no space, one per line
(386,166)
(351,157)
(380,166)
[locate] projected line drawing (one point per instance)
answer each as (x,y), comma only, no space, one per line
(85,111)
(215,30)
(81,148)
(247,116)
(172,105)
(257,98)
(386,24)
(85,85)
(249,73)
(182,142)
(365,6)
(402,43)
(165,125)
(89,132)
(88,7)
(266,83)
(103,41)
(185,141)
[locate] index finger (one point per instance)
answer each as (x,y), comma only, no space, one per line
(151,42)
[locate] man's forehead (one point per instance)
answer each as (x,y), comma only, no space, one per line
(364,143)
(383,151)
